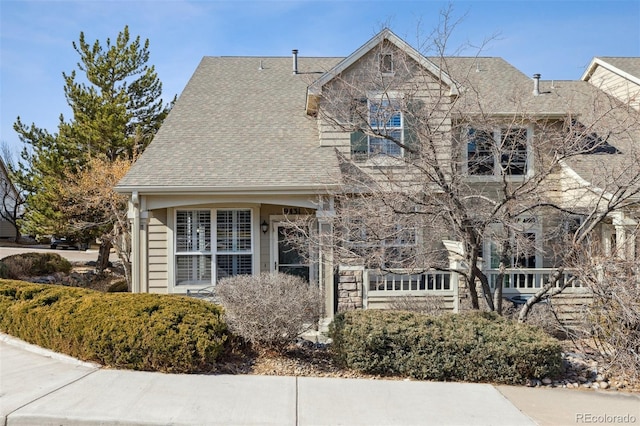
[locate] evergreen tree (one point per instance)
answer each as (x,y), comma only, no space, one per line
(116,104)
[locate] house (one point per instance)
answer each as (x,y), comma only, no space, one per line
(256,142)
(10,207)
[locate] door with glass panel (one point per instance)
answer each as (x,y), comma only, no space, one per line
(287,255)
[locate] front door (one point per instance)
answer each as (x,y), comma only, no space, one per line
(287,256)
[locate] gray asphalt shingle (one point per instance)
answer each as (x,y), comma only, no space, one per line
(238,126)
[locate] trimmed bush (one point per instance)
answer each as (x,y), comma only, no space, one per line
(473,347)
(270,309)
(34,264)
(120,330)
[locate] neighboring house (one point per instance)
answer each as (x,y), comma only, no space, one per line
(244,150)
(9,208)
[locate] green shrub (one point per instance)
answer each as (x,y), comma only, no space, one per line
(270,309)
(120,330)
(474,347)
(4,270)
(34,264)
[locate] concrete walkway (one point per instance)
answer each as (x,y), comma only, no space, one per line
(39,387)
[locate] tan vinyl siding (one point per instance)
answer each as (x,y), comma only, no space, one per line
(432,96)
(570,306)
(616,85)
(158,253)
(388,302)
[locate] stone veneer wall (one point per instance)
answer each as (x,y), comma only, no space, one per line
(350,289)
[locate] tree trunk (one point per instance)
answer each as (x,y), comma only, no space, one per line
(497,295)
(103,256)
(472,292)
(488,296)
(549,289)
(18,234)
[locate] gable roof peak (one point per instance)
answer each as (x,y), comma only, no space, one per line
(315,89)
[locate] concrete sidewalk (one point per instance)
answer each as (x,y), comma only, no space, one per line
(39,387)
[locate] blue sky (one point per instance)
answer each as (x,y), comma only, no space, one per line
(555,38)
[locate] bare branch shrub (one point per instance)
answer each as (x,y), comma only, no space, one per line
(542,315)
(613,319)
(271,309)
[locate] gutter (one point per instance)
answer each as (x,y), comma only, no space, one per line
(225,190)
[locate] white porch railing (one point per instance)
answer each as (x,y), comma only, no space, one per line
(528,280)
(387,283)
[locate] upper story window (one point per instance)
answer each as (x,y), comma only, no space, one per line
(386,124)
(496,152)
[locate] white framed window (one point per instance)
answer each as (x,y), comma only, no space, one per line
(498,151)
(233,243)
(210,244)
(193,247)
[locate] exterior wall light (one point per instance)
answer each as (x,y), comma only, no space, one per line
(264,226)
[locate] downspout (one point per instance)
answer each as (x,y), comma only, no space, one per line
(135,242)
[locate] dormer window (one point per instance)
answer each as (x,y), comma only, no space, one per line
(386,63)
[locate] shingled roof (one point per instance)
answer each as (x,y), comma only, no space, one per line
(240,123)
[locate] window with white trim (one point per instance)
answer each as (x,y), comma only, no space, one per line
(496,152)
(386,131)
(233,243)
(199,262)
(193,247)
(385,119)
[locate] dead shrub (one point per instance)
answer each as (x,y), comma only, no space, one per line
(270,309)
(614,321)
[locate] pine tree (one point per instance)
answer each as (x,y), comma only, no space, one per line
(115,99)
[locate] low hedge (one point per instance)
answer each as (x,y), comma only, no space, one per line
(120,330)
(473,347)
(33,264)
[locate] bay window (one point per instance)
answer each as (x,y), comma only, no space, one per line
(212,244)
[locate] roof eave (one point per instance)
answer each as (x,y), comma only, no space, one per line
(228,190)
(595,62)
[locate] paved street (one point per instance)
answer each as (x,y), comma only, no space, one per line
(72,255)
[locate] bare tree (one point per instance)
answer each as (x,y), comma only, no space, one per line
(101,208)
(443,159)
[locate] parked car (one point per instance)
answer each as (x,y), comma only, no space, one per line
(68,242)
